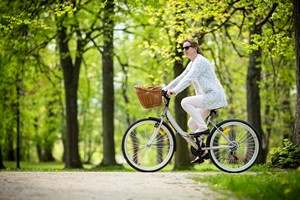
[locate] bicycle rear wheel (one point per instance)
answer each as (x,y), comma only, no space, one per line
(146,157)
(244,146)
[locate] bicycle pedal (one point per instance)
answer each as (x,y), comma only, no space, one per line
(198,160)
(206,156)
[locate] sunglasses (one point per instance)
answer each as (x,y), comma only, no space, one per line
(185,48)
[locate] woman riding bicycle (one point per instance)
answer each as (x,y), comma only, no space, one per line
(209,92)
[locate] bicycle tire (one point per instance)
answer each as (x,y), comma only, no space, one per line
(145,158)
(245,144)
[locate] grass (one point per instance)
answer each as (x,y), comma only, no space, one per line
(263,185)
(35,166)
(59,167)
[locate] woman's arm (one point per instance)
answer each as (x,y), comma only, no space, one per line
(173,83)
(192,75)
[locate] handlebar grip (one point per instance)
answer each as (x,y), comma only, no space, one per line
(165,94)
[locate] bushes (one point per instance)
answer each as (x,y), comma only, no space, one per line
(286,157)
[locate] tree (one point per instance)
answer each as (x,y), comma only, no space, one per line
(72,33)
(253,80)
(257,20)
(18,32)
(108,85)
(296,132)
(71,77)
(182,160)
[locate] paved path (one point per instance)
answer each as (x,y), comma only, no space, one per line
(102,185)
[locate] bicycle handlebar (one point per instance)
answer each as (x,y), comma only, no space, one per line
(165,95)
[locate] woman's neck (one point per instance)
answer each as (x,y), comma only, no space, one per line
(193,57)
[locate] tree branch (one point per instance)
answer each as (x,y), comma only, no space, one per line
(232,43)
(263,21)
(227,19)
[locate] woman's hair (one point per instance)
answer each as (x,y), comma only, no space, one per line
(193,44)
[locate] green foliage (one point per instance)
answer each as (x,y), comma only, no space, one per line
(259,186)
(144,47)
(286,157)
(63,8)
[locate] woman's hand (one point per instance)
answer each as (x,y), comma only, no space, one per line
(170,93)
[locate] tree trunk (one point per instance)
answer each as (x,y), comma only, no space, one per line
(108,85)
(48,153)
(253,97)
(253,79)
(10,152)
(1,159)
(182,159)
(286,114)
(124,90)
(18,124)
(39,152)
(44,153)
(63,130)
(296,132)
(51,129)
(71,76)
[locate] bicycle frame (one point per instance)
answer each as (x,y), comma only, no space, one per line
(166,113)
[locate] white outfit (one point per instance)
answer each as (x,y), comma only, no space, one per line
(209,92)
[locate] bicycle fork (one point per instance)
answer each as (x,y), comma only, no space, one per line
(156,130)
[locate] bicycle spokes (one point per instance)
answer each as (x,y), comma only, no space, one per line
(242,142)
(148,146)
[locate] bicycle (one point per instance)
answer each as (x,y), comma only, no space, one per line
(149,144)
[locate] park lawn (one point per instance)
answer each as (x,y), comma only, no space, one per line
(59,166)
(42,166)
(271,185)
(33,166)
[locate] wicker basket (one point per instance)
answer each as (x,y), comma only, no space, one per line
(149,97)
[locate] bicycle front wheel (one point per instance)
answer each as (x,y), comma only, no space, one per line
(147,156)
(243,150)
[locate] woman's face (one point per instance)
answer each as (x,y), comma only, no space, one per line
(188,50)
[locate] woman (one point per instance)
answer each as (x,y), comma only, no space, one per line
(209,92)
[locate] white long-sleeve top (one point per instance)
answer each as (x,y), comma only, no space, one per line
(205,82)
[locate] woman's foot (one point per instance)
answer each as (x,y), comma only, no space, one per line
(197,133)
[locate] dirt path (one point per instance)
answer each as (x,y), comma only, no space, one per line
(102,185)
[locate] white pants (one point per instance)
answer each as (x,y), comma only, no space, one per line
(192,105)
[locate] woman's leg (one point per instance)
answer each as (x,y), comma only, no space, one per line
(192,124)
(192,105)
